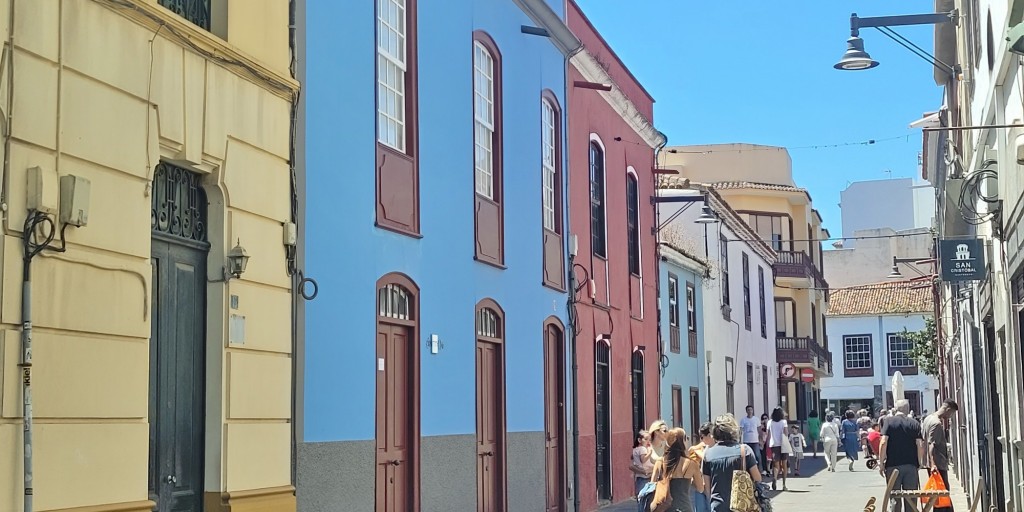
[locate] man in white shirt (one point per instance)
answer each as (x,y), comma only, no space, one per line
(748,430)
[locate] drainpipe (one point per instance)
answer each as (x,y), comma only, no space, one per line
(26,363)
(657,258)
(8,57)
(571,303)
(38,232)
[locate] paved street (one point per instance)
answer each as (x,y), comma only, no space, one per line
(817,490)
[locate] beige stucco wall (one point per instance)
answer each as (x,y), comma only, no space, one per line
(710,163)
(871,260)
(89,100)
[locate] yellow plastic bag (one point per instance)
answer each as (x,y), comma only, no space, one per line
(935,483)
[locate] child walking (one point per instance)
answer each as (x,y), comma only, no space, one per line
(796,439)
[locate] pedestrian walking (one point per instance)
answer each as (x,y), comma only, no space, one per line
(813,431)
(778,429)
(762,434)
(936,445)
(640,463)
(684,475)
(751,435)
(726,456)
(658,440)
(851,438)
(830,440)
(696,454)
(902,449)
(796,440)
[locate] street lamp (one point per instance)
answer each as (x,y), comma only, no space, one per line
(896,274)
(707,216)
(856,58)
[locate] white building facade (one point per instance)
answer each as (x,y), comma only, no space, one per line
(909,205)
(867,330)
(740,365)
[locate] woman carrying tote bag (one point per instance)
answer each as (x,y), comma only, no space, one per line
(722,461)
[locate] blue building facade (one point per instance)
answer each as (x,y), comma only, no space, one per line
(434,360)
(684,387)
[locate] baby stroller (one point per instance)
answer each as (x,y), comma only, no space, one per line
(869,454)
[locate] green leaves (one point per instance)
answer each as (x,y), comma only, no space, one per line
(925,348)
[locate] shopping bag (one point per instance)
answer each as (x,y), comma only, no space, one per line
(935,483)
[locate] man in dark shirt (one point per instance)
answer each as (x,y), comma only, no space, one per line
(901,449)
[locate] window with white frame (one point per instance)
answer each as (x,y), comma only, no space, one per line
(550,128)
(483,119)
(691,307)
(673,301)
(857,352)
(899,352)
(391,68)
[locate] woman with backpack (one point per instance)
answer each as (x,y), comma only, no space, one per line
(722,459)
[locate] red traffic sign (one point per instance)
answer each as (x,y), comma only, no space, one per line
(787,371)
(807,375)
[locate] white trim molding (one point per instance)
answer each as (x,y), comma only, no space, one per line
(592,71)
(542,14)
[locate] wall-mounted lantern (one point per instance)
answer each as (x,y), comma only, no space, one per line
(237,261)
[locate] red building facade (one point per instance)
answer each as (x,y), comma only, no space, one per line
(611,144)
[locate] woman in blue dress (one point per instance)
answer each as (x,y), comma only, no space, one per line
(851,438)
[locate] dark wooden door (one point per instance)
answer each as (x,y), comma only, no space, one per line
(603,425)
(554,419)
(176,373)
(764,388)
(694,415)
(394,475)
(677,406)
(637,379)
(489,427)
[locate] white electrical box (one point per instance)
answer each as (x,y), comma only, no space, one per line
(43,192)
(74,200)
(291,234)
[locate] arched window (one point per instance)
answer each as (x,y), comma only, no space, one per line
(551,191)
(633,223)
(397,148)
(488,323)
(487,150)
(598,239)
(393,302)
(550,164)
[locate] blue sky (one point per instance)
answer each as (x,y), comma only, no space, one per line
(761,72)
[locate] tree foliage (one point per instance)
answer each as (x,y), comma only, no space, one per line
(924,347)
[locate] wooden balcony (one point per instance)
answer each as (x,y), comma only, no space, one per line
(804,352)
(798,264)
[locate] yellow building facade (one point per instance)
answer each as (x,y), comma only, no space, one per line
(757,182)
(155,381)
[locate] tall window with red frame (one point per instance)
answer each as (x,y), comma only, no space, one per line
(397,167)
(487,151)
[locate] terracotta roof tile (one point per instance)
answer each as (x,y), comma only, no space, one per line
(890,298)
(677,182)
